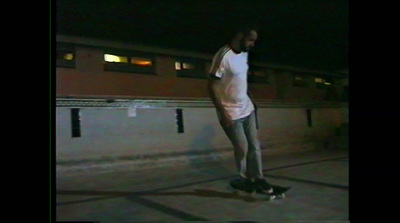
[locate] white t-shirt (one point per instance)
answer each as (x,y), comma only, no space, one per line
(231,68)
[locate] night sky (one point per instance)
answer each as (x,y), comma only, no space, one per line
(304,33)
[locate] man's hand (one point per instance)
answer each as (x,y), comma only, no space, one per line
(225,120)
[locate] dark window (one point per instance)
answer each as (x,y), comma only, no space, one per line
(300,80)
(259,75)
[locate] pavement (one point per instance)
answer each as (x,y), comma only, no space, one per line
(319,182)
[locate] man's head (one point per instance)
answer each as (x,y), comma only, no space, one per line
(246,38)
(248,41)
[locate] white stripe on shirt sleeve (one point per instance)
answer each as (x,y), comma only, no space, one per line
(217,69)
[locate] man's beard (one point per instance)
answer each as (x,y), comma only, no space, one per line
(243,47)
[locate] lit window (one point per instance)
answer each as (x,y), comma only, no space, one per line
(141,61)
(115,59)
(323,83)
(188,66)
(192,68)
(68,56)
(177,65)
(65,56)
(319,80)
(131,62)
(184,66)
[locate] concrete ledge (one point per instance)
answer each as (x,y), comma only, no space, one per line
(149,161)
(150,102)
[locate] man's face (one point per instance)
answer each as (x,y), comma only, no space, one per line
(248,42)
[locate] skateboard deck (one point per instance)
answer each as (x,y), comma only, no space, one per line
(278,192)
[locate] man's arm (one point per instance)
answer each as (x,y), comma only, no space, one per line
(211,85)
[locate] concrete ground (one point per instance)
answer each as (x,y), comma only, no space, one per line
(199,192)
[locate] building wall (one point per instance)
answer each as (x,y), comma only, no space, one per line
(108,133)
(78,83)
(88,78)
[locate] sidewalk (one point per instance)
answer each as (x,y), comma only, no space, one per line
(198,192)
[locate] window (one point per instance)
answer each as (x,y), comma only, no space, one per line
(109,58)
(129,62)
(184,66)
(190,68)
(323,83)
(300,81)
(65,55)
(144,62)
(260,75)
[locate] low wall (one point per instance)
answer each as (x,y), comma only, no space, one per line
(128,130)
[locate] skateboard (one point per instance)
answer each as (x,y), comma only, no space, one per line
(278,191)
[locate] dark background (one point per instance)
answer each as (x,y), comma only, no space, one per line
(304,33)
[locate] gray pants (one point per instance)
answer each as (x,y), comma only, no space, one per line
(247,151)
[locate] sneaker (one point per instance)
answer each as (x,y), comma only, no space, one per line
(243,185)
(263,186)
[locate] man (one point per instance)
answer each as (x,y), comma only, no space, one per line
(227,87)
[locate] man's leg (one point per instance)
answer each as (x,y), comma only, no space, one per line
(254,160)
(238,139)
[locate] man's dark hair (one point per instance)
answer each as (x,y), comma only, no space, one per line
(243,26)
(246,29)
